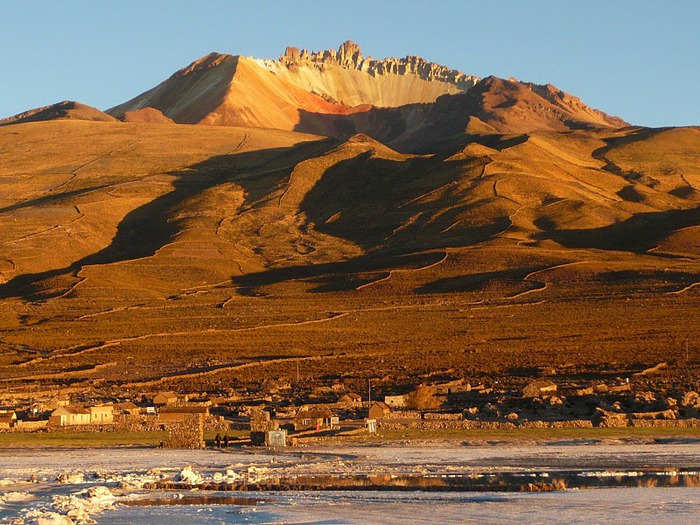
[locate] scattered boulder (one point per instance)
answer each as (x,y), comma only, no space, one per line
(584,391)
(544,487)
(471,412)
(607,418)
(624,387)
(539,388)
(657,414)
(691,400)
(554,401)
(491,410)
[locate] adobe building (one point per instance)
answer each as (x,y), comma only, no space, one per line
(379,410)
(350,400)
(8,419)
(69,415)
(101,414)
(128,408)
(319,418)
(166,398)
(395,401)
(180,414)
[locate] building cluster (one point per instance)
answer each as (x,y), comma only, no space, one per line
(164,407)
(276,415)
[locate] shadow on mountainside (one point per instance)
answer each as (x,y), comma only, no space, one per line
(399,206)
(634,135)
(338,276)
(476,281)
(414,128)
(493,105)
(403,213)
(638,234)
(145,230)
(51,199)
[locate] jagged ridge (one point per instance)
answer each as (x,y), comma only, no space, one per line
(306,67)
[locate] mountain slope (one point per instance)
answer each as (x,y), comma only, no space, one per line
(284,198)
(221,246)
(493,105)
(66,110)
(228,91)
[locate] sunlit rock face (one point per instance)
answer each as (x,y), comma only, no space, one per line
(347,77)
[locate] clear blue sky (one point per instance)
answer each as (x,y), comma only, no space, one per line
(636,59)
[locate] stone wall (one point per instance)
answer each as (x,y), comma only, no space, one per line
(137,423)
(610,422)
(217,423)
(29,426)
(573,423)
(677,423)
(479,425)
(104,427)
(186,434)
(443,417)
(403,414)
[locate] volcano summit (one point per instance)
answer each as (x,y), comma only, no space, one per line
(407,103)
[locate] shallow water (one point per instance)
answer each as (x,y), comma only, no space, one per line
(611,506)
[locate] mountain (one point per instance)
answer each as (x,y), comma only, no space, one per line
(66,110)
(146,115)
(233,90)
(427,225)
(410,103)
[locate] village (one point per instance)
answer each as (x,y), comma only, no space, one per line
(283,415)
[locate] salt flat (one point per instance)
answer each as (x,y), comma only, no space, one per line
(73,486)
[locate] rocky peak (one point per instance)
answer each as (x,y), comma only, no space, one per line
(349,51)
(350,56)
(209,61)
(291,55)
